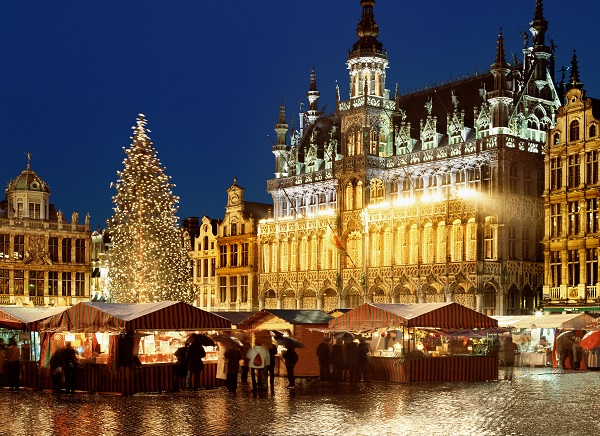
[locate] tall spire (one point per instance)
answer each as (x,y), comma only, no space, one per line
(538,26)
(367,31)
(313,97)
(575,82)
(281,127)
(500,56)
(281,148)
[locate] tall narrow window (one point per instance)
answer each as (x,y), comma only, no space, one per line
(488,239)
(244,289)
(233,289)
(222,289)
(573,267)
(592,131)
(66,284)
(555,220)
(4,246)
(80,250)
(457,242)
(234,255)
(205,268)
(555,269)
(79,284)
(556,173)
(53,248)
(66,250)
(471,240)
(19,247)
(591,209)
(414,245)
(573,207)
(591,167)
(4,282)
(233,229)
(19,281)
(36,283)
(591,266)
(574,130)
(53,283)
(222,255)
(512,242)
(573,171)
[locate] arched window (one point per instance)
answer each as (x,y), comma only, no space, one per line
(457,241)
(441,243)
(574,130)
(428,243)
(556,138)
(359,195)
(414,245)
(377,191)
(592,131)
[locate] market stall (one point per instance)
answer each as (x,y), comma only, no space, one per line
(424,342)
(304,325)
(22,323)
(535,335)
(129,348)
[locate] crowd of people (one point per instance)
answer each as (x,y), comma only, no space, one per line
(345,360)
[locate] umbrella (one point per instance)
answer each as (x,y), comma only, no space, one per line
(590,340)
(344,336)
(202,340)
(227,341)
(289,342)
(565,339)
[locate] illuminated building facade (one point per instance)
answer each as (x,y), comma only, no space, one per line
(424,197)
(225,255)
(44,260)
(571,203)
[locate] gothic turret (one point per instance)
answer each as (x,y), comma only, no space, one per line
(539,52)
(367,61)
(313,97)
(574,82)
(500,97)
(281,149)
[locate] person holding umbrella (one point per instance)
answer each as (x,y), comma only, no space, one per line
(291,358)
(233,355)
(323,352)
(258,359)
(195,353)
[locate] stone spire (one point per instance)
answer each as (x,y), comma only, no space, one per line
(500,97)
(575,82)
(281,149)
(538,26)
(313,97)
(367,31)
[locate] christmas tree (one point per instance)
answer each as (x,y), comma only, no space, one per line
(148,261)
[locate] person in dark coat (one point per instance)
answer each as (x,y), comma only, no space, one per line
(182,366)
(337,360)
(323,352)
(245,370)
(69,366)
(270,370)
(233,356)
(362,360)
(577,352)
(291,358)
(56,370)
(351,359)
(195,353)
(13,364)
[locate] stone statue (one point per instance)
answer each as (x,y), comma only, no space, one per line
(60,216)
(87,219)
(74,217)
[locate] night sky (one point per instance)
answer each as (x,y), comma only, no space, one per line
(210,76)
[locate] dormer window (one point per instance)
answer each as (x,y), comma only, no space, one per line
(556,138)
(592,131)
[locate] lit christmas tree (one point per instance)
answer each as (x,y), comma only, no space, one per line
(148,261)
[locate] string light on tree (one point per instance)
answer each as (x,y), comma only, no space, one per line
(148,261)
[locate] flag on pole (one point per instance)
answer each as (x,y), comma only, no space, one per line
(336,244)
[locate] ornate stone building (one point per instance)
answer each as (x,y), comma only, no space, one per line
(44,260)
(571,203)
(425,197)
(225,255)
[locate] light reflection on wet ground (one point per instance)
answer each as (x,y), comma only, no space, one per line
(538,401)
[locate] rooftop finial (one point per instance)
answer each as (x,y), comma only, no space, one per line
(539,25)
(28,154)
(575,71)
(500,57)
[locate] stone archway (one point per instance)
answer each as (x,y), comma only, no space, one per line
(331,300)
(379,296)
(489,300)
(270,299)
(528,301)
(465,298)
(403,295)
(288,299)
(309,299)
(354,298)
(431,295)
(513,299)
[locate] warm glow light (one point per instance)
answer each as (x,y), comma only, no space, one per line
(466,193)
(69,337)
(420,346)
(404,201)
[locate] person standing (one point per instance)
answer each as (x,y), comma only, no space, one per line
(337,361)
(182,367)
(69,365)
(258,359)
(291,358)
(577,353)
(195,353)
(245,368)
(362,360)
(323,352)
(232,356)
(351,359)
(2,360)
(510,351)
(13,365)
(270,370)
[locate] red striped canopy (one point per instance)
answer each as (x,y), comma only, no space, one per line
(26,318)
(119,317)
(434,315)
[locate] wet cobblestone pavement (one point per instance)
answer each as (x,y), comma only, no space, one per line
(539,401)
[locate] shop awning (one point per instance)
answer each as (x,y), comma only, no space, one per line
(571,321)
(118,317)
(434,315)
(26,318)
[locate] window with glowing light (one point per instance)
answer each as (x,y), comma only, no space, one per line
(573,171)
(53,283)
(573,216)
(4,246)
(234,254)
(4,282)
(489,248)
(222,289)
(457,241)
(591,266)
(19,247)
(591,210)
(244,289)
(19,281)
(555,269)
(573,267)
(233,291)
(441,255)
(555,220)
(591,167)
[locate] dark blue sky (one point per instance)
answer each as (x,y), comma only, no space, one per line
(209,76)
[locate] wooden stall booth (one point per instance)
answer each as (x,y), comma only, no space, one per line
(129,348)
(23,323)
(425,342)
(300,324)
(536,336)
